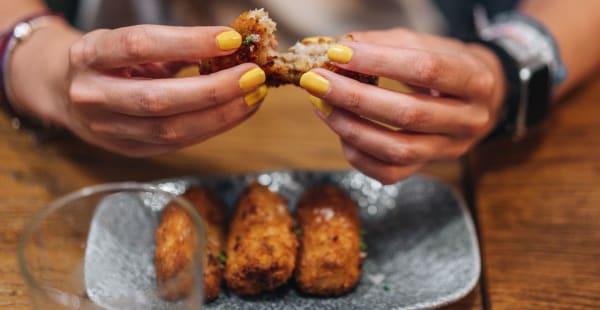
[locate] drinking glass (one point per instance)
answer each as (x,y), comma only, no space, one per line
(94,249)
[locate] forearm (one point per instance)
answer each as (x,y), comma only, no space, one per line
(11,11)
(574,32)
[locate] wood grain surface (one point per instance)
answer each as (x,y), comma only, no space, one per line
(538,203)
(284,134)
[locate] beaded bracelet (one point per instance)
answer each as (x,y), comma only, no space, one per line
(15,35)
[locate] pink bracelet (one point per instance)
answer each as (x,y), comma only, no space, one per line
(10,39)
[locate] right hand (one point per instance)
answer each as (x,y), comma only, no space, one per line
(116,89)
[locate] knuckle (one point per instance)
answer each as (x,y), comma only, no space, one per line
(379,61)
(478,123)
(354,100)
(77,94)
(400,155)
(427,68)
(224,116)
(457,151)
(349,132)
(352,157)
(462,150)
(411,117)
(487,84)
(136,42)
(388,178)
(167,133)
(151,102)
(83,52)
(76,53)
(99,128)
(212,95)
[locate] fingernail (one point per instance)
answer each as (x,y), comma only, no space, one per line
(252,78)
(314,83)
(256,96)
(317,40)
(229,40)
(320,104)
(340,53)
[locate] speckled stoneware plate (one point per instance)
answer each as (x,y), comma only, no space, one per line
(422,248)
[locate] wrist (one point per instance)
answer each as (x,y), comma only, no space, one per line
(38,74)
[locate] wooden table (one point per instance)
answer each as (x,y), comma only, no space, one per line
(535,202)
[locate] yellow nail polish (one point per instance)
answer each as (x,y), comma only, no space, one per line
(252,78)
(320,104)
(256,96)
(229,40)
(314,83)
(317,40)
(340,53)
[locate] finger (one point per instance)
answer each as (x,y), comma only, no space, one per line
(415,112)
(389,146)
(405,38)
(125,147)
(457,75)
(384,173)
(181,129)
(164,97)
(152,43)
(155,70)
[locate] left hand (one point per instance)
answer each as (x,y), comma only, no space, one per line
(460,93)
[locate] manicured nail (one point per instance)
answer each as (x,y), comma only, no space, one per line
(320,104)
(252,78)
(340,53)
(256,96)
(314,83)
(229,40)
(317,40)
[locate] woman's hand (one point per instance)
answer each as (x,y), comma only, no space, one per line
(114,88)
(459,90)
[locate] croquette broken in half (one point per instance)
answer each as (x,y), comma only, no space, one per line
(260,46)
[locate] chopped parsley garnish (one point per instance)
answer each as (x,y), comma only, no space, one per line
(222,257)
(298,231)
(249,39)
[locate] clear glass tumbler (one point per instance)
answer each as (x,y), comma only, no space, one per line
(94,249)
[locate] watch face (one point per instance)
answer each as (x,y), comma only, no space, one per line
(538,95)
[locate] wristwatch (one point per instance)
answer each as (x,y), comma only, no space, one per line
(532,65)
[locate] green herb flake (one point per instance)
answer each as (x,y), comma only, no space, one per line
(363,245)
(386,288)
(298,231)
(222,257)
(248,40)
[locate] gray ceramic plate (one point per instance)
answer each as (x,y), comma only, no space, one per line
(422,247)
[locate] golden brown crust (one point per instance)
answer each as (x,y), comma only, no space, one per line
(175,240)
(329,260)
(262,247)
(262,52)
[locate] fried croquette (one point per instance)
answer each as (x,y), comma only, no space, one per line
(329,261)
(175,242)
(262,246)
(260,46)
